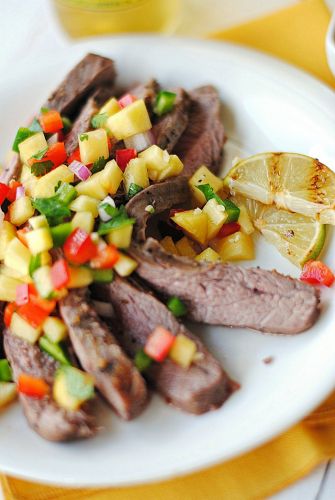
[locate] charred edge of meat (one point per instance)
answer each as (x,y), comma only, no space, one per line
(147,91)
(229,295)
(168,129)
(44,415)
(162,196)
(100,354)
(92,72)
(202,141)
(202,387)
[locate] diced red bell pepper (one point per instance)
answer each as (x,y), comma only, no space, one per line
(79,247)
(4,189)
(60,274)
(159,343)
(32,386)
(316,272)
(51,121)
(33,314)
(123,157)
(229,228)
(126,99)
(13,185)
(75,156)
(45,304)
(9,311)
(106,257)
(56,154)
(21,234)
(22,294)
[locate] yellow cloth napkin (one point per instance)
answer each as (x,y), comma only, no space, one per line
(297,35)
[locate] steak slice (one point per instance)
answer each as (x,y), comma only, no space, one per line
(229,295)
(48,419)
(100,355)
(90,73)
(83,121)
(162,196)
(12,169)
(203,139)
(203,386)
(169,127)
(147,91)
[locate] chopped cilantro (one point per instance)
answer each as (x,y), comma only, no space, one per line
(40,154)
(54,210)
(98,165)
(99,120)
(41,167)
(56,207)
(83,137)
(134,189)
(120,219)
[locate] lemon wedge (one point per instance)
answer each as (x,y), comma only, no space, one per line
(291,181)
(296,237)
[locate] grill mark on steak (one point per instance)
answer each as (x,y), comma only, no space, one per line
(229,295)
(168,129)
(202,142)
(48,419)
(90,73)
(202,387)
(148,92)
(162,196)
(117,379)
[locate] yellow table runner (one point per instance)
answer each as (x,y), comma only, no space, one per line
(297,35)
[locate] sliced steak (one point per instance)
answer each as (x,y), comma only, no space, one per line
(202,142)
(100,355)
(170,127)
(83,121)
(44,415)
(147,91)
(225,294)
(12,169)
(90,73)
(202,387)
(162,196)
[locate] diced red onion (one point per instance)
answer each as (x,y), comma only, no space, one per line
(104,216)
(19,192)
(80,170)
(140,141)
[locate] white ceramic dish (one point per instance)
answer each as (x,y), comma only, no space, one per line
(267,105)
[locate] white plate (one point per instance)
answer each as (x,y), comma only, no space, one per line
(267,106)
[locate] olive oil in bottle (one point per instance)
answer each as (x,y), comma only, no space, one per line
(96,17)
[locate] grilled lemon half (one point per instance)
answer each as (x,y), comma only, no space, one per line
(291,181)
